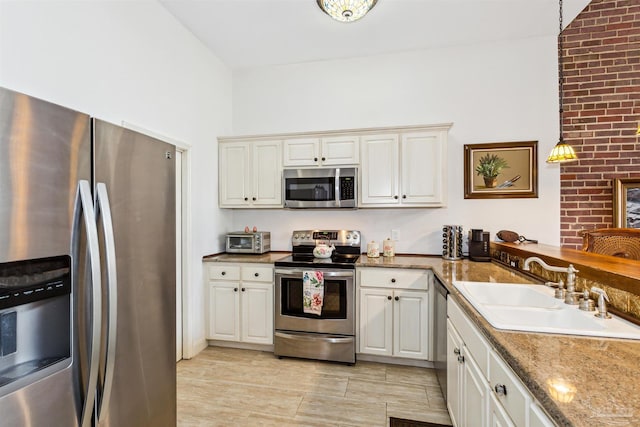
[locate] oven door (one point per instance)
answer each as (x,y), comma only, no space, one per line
(338,310)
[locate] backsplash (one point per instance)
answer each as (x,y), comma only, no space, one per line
(623,300)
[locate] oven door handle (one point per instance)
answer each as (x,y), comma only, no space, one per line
(297,272)
(304,337)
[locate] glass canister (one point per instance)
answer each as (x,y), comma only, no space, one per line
(388,247)
(373,249)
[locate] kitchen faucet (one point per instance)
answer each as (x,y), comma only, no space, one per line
(571,296)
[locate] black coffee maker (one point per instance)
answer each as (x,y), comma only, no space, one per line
(479,245)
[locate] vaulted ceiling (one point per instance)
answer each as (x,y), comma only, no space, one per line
(254,33)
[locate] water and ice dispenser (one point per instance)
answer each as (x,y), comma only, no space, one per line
(35,317)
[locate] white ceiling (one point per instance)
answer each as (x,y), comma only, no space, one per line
(253,33)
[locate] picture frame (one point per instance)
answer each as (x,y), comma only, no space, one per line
(501,170)
(626,203)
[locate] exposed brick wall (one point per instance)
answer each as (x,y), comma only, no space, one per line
(601,112)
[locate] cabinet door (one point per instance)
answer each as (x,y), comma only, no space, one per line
(340,150)
(301,152)
(267,174)
(475,396)
(257,312)
(379,170)
(410,324)
(234,174)
(376,319)
(497,415)
(224,311)
(422,164)
(455,378)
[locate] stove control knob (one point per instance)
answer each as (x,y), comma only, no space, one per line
(348,236)
(295,236)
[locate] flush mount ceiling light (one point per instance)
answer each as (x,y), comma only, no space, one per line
(346,10)
(562,152)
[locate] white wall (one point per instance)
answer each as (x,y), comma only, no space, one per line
(495,92)
(131,62)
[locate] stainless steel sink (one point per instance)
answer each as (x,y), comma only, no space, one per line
(533,308)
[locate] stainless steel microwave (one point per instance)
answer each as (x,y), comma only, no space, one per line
(240,242)
(320,188)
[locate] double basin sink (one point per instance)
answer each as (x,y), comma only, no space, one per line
(533,308)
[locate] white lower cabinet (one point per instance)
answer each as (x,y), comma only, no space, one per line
(240,303)
(482,390)
(394,312)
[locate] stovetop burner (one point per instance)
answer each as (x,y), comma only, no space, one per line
(345,255)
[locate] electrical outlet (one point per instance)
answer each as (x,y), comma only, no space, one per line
(395,235)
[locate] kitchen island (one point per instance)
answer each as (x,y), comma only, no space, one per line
(603,371)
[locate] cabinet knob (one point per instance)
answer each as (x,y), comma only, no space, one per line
(395,197)
(246,199)
(243,289)
(501,389)
(460,359)
(224,273)
(323,159)
(256,274)
(397,298)
(315,159)
(456,351)
(235,289)
(404,196)
(253,198)
(393,280)
(389,297)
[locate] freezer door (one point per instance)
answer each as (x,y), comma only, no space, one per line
(45,149)
(139,174)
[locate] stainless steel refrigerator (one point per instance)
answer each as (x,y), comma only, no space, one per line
(87,270)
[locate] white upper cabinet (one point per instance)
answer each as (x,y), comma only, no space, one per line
(329,151)
(250,174)
(405,169)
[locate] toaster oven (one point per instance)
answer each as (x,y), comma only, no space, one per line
(240,242)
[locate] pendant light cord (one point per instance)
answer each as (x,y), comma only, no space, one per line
(560,73)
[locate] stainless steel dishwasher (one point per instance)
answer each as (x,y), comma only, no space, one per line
(440,335)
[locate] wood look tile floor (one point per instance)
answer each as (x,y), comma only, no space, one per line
(233,387)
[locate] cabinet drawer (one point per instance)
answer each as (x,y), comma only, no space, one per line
(395,278)
(257,274)
(515,398)
(471,336)
(224,272)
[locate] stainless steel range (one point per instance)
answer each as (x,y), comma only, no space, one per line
(328,334)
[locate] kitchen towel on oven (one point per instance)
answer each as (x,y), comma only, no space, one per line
(313,291)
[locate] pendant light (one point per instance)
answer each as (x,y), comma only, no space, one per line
(346,10)
(562,152)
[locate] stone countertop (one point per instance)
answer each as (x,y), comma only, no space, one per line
(266,258)
(603,371)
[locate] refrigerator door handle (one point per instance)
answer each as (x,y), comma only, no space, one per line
(88,214)
(103,208)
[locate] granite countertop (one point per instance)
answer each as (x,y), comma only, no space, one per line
(603,371)
(266,258)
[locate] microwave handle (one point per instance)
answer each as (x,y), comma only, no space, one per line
(337,187)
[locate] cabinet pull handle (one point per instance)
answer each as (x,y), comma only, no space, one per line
(393,280)
(256,274)
(389,297)
(397,298)
(235,289)
(501,389)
